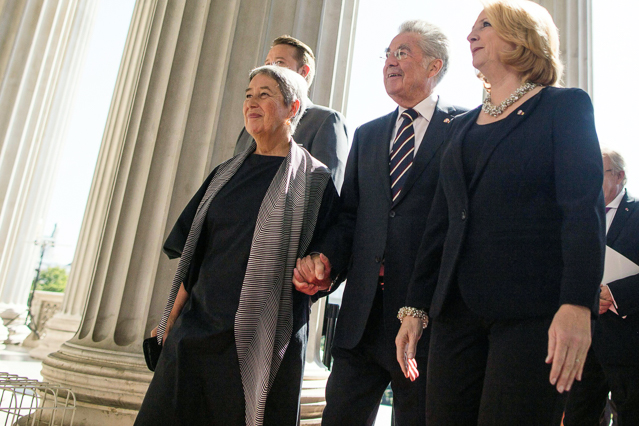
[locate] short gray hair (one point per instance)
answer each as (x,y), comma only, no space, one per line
(432,41)
(292,86)
(617,162)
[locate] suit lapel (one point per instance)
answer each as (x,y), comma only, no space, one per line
(625,209)
(503,129)
(382,151)
(433,139)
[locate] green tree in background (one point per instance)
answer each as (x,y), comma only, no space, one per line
(52,279)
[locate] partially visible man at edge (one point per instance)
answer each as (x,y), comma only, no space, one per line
(322,131)
(612,364)
(390,181)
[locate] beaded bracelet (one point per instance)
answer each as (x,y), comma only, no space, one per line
(407,311)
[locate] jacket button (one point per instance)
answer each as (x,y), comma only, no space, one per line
(463,215)
(392,213)
(378,259)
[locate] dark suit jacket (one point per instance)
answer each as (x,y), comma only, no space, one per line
(527,234)
(370,228)
(616,339)
(322,131)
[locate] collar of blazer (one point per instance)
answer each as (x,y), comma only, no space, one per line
(464,122)
(432,141)
(626,208)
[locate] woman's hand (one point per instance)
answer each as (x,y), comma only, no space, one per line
(568,342)
(312,274)
(169,326)
(406,343)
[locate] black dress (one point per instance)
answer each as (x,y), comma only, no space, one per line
(197,380)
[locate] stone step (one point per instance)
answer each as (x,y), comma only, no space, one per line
(313,410)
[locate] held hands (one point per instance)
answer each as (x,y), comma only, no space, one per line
(406,343)
(568,342)
(312,274)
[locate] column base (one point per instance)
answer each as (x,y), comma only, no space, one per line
(92,414)
(109,385)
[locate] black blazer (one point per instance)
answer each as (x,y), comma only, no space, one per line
(322,131)
(371,228)
(527,234)
(616,339)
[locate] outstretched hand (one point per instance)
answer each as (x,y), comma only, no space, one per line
(406,343)
(568,343)
(312,274)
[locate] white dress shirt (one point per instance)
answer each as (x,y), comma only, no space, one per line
(610,215)
(426,109)
(613,206)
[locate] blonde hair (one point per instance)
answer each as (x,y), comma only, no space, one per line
(531,29)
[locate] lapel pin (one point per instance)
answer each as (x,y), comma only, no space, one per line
(447,120)
(520,112)
(626,208)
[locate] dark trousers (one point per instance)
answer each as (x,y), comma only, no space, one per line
(360,375)
(587,399)
(487,372)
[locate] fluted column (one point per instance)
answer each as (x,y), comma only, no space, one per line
(41,49)
(63,325)
(176,112)
(574,20)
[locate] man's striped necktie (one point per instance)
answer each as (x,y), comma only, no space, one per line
(401,157)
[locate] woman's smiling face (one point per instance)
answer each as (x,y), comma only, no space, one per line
(265,112)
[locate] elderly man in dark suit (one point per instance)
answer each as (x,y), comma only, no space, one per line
(391,176)
(612,364)
(322,131)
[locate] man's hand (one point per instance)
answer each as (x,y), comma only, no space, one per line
(406,343)
(568,343)
(605,299)
(312,274)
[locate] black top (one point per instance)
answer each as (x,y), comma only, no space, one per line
(219,263)
(473,143)
(216,274)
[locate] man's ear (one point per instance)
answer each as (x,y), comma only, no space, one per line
(304,70)
(621,176)
(435,67)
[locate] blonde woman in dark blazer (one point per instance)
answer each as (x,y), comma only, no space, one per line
(510,264)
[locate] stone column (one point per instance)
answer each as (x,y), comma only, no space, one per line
(41,49)
(574,20)
(176,113)
(63,325)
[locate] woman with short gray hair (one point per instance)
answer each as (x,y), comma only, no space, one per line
(234,331)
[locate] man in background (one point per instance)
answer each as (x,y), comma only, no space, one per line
(612,364)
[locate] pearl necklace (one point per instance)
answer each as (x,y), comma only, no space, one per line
(496,110)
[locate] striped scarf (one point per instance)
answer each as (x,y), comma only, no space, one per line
(284,228)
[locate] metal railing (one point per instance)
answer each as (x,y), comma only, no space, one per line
(29,402)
